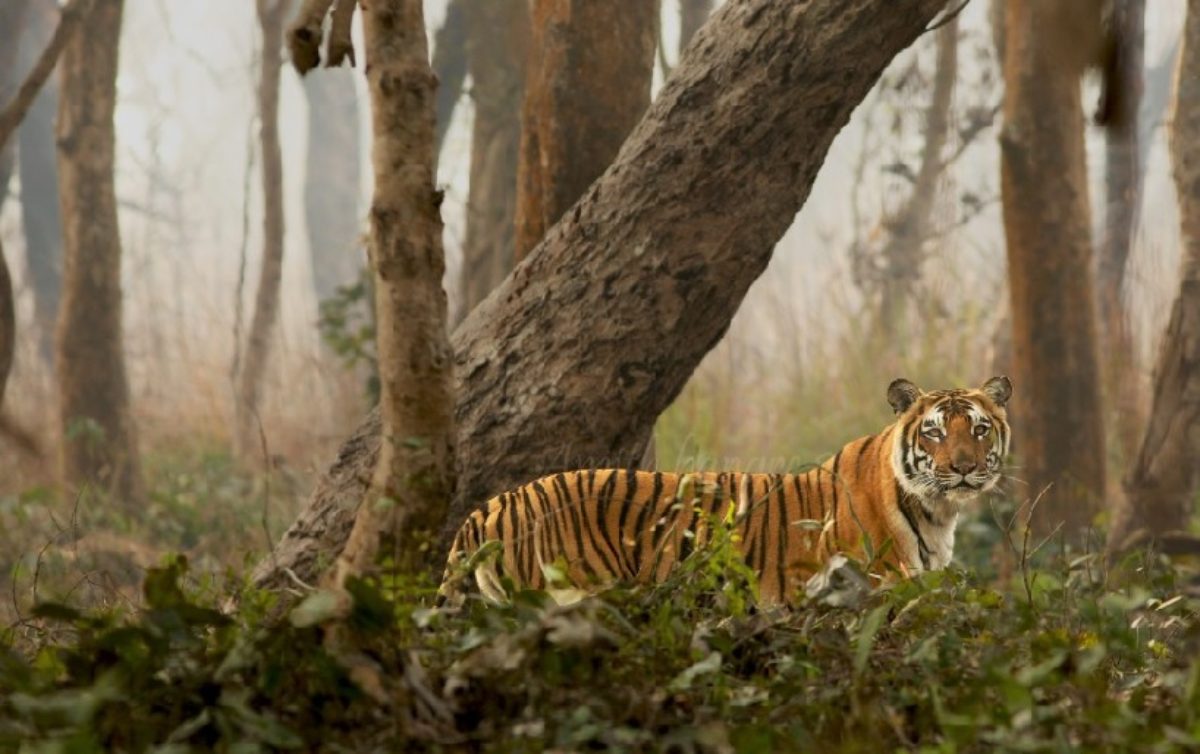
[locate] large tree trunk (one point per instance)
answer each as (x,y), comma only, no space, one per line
(1046,220)
(331,181)
(36,166)
(588,83)
(903,253)
(1162,485)
(498,35)
(415,469)
(99,441)
(571,360)
(271,15)
(1123,197)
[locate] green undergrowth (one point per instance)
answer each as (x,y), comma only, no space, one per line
(1060,657)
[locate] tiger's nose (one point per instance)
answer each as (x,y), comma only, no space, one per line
(963,467)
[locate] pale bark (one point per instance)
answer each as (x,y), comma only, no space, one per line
(1123,197)
(331,181)
(1058,417)
(99,440)
(903,254)
(271,14)
(1163,483)
(415,471)
(12,22)
(587,85)
(36,165)
(497,38)
(570,361)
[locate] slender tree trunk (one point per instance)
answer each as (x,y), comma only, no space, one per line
(415,470)
(99,440)
(1046,221)
(271,15)
(1123,197)
(36,166)
(332,180)
(1165,478)
(903,254)
(13,14)
(570,361)
(588,83)
(498,35)
(450,65)
(692,15)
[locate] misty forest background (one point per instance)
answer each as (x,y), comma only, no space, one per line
(1018,192)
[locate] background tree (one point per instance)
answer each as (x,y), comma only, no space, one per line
(12,22)
(565,366)
(587,85)
(99,438)
(271,15)
(1161,487)
(1057,413)
(692,15)
(332,181)
(450,66)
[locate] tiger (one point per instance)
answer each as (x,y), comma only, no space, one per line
(890,500)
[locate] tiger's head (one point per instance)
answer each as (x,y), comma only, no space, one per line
(949,443)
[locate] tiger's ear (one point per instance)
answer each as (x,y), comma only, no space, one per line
(999,389)
(901,394)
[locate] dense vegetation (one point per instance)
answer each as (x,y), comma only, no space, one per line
(1045,654)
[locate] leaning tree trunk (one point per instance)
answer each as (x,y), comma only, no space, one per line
(571,360)
(99,441)
(497,38)
(12,21)
(331,181)
(1162,486)
(415,470)
(1046,220)
(1122,182)
(271,15)
(587,85)
(40,219)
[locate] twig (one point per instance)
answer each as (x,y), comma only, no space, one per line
(1025,554)
(14,111)
(304,35)
(340,46)
(266,506)
(946,18)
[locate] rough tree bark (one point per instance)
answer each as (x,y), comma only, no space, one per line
(1162,485)
(99,440)
(571,360)
(692,15)
(331,181)
(415,468)
(36,166)
(902,255)
(1122,181)
(1058,418)
(271,16)
(588,83)
(497,39)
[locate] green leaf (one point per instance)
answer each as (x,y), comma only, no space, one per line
(866,637)
(683,681)
(319,607)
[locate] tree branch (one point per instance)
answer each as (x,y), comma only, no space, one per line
(304,35)
(14,112)
(340,46)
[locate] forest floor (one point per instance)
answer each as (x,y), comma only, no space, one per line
(1014,649)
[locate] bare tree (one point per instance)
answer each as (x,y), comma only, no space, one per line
(571,360)
(450,65)
(1123,197)
(99,438)
(497,38)
(12,22)
(1047,225)
(332,181)
(587,85)
(1163,483)
(692,15)
(271,15)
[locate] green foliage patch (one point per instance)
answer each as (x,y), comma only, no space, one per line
(1066,659)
